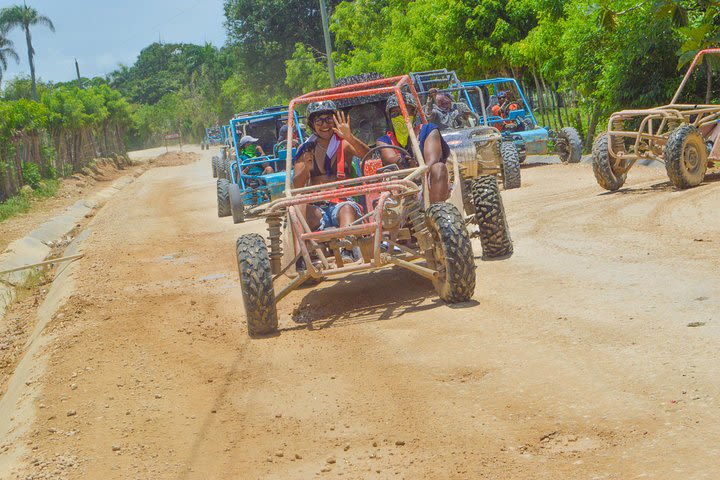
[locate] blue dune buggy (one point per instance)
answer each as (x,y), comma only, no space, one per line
(213,136)
(242,187)
(219,162)
(517,122)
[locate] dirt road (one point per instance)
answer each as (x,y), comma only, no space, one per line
(590,354)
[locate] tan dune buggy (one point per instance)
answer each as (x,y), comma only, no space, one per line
(398,227)
(680,135)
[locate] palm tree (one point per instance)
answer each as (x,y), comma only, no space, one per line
(7,51)
(24,17)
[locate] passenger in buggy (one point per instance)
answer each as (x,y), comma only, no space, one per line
(327,157)
(433,147)
(249,150)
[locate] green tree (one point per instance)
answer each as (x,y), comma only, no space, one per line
(7,52)
(265,32)
(24,17)
(306,70)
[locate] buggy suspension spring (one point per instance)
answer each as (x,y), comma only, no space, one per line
(416,219)
(274,223)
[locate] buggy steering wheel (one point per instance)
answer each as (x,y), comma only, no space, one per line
(403,153)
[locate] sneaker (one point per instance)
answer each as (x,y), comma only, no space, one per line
(385,246)
(347,256)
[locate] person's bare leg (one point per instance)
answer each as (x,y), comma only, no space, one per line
(346,216)
(438,177)
(313,217)
(268,170)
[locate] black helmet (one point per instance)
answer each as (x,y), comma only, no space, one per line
(321,106)
(392,101)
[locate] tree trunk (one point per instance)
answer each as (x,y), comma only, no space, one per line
(564,102)
(578,117)
(31,54)
(592,125)
(541,103)
(556,106)
(551,102)
(708,90)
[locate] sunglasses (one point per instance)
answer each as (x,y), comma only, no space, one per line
(324,120)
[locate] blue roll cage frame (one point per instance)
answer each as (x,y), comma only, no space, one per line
(259,160)
(219,131)
(496,81)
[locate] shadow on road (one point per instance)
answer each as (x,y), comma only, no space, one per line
(665,186)
(365,298)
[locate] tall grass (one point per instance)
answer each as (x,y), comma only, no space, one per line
(23,202)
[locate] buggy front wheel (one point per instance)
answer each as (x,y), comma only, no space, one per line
(237,205)
(510,166)
(568,145)
(686,157)
(256,283)
(452,254)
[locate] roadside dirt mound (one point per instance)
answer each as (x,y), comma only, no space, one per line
(73,188)
(174,159)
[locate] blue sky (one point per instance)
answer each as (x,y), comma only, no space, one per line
(101,33)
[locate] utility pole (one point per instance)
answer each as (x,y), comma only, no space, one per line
(77,70)
(328,43)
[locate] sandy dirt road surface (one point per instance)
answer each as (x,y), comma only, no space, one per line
(592,353)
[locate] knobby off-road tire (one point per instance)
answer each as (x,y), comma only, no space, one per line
(256,283)
(686,157)
(571,145)
(452,253)
(215,166)
(607,176)
(237,205)
(223,198)
(490,217)
(510,165)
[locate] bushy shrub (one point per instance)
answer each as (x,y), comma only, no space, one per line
(31,174)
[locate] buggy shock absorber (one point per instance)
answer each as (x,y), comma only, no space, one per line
(274,223)
(416,222)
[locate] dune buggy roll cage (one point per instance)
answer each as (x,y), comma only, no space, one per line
(648,140)
(369,230)
(374,87)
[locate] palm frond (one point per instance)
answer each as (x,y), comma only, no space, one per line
(43,20)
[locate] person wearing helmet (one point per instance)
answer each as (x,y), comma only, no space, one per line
(504,106)
(433,148)
(326,156)
(249,150)
(466,117)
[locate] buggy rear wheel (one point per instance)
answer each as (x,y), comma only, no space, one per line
(256,283)
(490,217)
(237,204)
(510,165)
(215,166)
(568,145)
(607,174)
(686,157)
(223,198)
(451,254)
